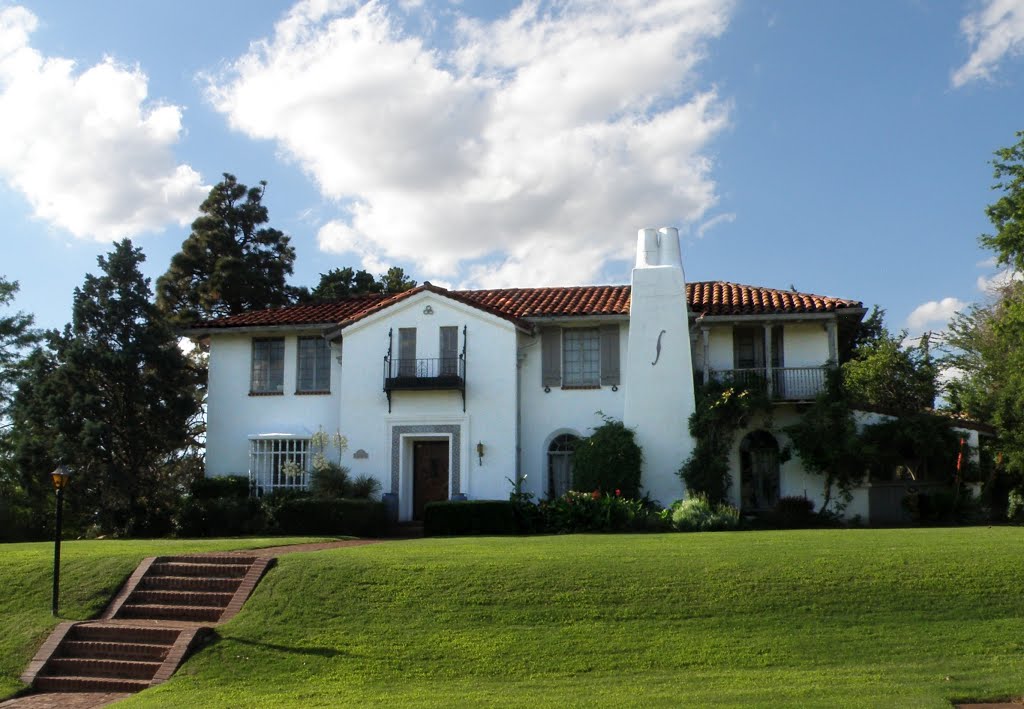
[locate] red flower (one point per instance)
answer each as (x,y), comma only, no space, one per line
(596,494)
(618,493)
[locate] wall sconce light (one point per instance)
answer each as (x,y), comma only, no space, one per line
(428,310)
(480,452)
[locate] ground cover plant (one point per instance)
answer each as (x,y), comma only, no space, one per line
(909,617)
(91,572)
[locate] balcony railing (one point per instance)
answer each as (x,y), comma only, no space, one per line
(786,383)
(425,374)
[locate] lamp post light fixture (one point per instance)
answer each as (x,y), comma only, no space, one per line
(60,478)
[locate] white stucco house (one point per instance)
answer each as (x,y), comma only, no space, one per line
(454,393)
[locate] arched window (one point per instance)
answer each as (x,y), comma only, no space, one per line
(759,472)
(560,454)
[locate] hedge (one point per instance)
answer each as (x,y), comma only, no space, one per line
(222,517)
(318,515)
(443,519)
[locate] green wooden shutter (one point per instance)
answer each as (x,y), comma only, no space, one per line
(551,356)
(609,355)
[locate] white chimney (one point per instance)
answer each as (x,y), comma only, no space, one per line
(659,395)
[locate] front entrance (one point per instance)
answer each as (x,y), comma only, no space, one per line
(429,474)
(759,472)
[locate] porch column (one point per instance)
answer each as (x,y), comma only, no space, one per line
(768,360)
(833,342)
(705,336)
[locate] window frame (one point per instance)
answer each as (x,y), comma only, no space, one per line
(266,376)
(588,374)
(321,373)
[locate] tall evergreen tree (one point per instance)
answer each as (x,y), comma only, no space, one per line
(112,398)
(16,335)
(230,262)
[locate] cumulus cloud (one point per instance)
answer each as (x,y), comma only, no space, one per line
(934,311)
(86,148)
(527,150)
(994,31)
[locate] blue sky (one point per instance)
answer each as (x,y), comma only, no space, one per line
(841,148)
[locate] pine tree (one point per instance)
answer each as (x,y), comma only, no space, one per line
(230,263)
(111,397)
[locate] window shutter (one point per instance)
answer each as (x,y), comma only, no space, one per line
(449,349)
(551,357)
(406,351)
(609,355)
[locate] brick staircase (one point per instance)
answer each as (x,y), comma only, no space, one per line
(160,614)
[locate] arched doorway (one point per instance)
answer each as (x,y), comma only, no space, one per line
(560,454)
(759,472)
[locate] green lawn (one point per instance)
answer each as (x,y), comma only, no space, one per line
(91,572)
(802,618)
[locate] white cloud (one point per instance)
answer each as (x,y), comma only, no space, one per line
(726,218)
(86,148)
(995,30)
(990,284)
(527,152)
(934,311)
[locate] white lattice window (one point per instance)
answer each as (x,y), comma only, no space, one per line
(278,463)
(581,357)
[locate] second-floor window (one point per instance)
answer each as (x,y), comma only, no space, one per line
(314,372)
(581,357)
(267,373)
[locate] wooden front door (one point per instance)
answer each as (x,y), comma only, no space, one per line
(429,474)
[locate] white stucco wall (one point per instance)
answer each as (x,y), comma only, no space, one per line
(489,418)
(233,415)
(804,344)
(547,415)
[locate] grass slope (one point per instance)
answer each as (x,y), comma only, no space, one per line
(91,573)
(801,618)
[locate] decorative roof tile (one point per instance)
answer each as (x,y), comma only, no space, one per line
(519,305)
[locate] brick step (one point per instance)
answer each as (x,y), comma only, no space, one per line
(89,684)
(209,559)
(124,634)
(199,614)
(113,650)
(189,583)
(92,667)
(214,571)
(180,598)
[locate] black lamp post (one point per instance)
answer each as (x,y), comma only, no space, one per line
(60,478)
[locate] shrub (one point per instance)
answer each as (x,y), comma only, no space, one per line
(330,480)
(222,516)
(793,513)
(595,512)
(445,519)
(1015,505)
(329,516)
(696,514)
(235,486)
(364,487)
(608,460)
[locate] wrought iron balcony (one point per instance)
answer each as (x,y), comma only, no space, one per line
(785,383)
(425,374)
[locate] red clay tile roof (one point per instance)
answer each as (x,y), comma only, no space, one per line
(519,304)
